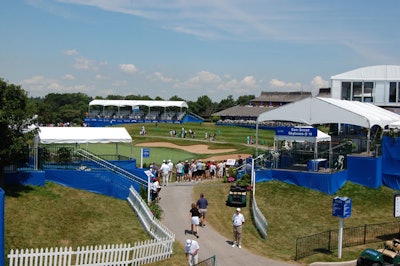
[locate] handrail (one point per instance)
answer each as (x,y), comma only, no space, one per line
(96,159)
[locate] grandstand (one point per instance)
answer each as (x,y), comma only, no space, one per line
(114,112)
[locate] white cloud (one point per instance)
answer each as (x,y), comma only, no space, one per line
(99,76)
(128,68)
(248,81)
(70,52)
(68,77)
(204,77)
(279,84)
(318,82)
(157,76)
(41,86)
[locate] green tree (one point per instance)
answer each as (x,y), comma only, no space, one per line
(245,99)
(226,103)
(16,113)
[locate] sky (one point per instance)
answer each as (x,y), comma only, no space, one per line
(190,48)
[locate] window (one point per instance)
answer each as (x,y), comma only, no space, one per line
(392,92)
(346,90)
(368,89)
(357,91)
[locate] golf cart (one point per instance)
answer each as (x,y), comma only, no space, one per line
(380,257)
(237,196)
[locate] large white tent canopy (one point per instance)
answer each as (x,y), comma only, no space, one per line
(133,103)
(318,110)
(321,136)
(53,135)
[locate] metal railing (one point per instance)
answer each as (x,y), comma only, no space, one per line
(352,236)
(103,163)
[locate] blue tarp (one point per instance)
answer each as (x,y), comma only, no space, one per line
(366,171)
(101,182)
(391,162)
(324,182)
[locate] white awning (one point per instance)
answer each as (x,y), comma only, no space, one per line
(318,110)
(149,103)
(50,135)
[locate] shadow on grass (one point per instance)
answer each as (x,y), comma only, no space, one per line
(16,190)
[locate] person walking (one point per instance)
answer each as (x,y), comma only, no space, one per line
(192,252)
(194,218)
(202,204)
(238,221)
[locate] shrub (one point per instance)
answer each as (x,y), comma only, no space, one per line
(156,209)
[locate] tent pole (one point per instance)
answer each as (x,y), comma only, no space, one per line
(257,138)
(330,156)
(368,140)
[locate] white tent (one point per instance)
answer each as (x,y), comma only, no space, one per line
(317,110)
(72,135)
(149,103)
(49,135)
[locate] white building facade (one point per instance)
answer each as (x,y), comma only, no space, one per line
(379,85)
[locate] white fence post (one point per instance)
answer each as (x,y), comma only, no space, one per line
(156,249)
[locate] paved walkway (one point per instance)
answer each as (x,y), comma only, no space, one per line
(175,202)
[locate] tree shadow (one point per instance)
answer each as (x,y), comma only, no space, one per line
(16,190)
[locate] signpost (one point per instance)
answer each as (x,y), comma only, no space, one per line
(341,207)
(144,153)
(397,205)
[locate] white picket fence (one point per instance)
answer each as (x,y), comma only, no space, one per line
(159,248)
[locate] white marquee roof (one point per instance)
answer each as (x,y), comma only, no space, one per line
(317,110)
(372,73)
(133,103)
(50,135)
(321,136)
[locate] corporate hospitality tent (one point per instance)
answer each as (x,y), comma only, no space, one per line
(318,110)
(133,103)
(82,135)
(51,135)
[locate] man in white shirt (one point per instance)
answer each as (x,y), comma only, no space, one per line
(164,170)
(192,252)
(238,221)
(171,168)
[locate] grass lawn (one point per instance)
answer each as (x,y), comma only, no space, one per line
(48,216)
(293,212)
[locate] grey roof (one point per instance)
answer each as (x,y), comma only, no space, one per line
(243,111)
(278,96)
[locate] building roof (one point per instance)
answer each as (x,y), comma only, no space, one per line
(242,111)
(278,96)
(380,72)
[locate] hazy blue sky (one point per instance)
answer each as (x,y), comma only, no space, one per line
(192,48)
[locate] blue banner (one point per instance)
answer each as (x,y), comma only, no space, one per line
(296,131)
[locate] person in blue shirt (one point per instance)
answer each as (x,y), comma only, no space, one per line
(202,204)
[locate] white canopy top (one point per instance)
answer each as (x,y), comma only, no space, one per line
(321,136)
(317,110)
(381,72)
(50,135)
(133,103)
